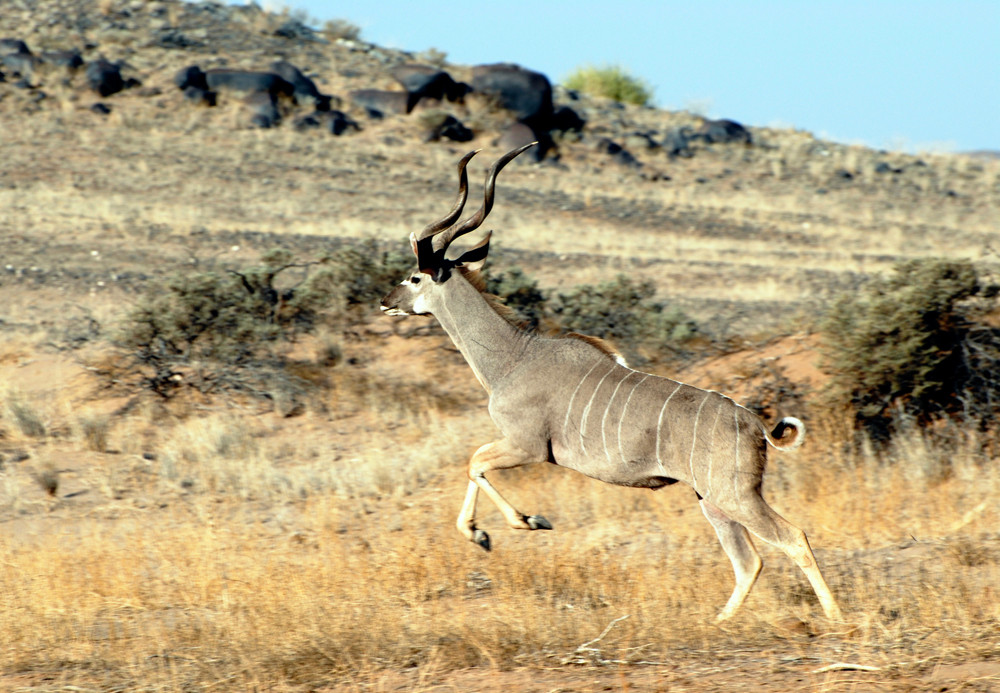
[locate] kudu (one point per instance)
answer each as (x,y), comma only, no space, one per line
(570,401)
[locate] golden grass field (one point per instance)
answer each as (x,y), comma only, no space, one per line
(210,543)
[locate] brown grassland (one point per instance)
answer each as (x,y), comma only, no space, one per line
(211,543)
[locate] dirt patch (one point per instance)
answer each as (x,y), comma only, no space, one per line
(776,378)
(973,676)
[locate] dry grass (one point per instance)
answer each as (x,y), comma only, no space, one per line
(271,558)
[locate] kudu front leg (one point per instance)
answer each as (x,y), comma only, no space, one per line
(497,455)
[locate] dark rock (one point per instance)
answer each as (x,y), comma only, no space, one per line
(379,102)
(105,77)
(13,45)
(333,121)
(450,128)
(249,81)
(617,152)
(426,82)
(526,93)
(263,109)
(565,119)
(517,135)
(172,38)
(20,64)
(303,88)
(677,142)
(338,122)
(296,30)
(882,167)
(200,97)
(722,131)
(190,77)
(71,60)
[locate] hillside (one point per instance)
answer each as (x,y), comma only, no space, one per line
(310,545)
(724,217)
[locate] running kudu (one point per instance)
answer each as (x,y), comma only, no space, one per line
(572,402)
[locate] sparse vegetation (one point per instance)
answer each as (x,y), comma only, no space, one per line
(609,82)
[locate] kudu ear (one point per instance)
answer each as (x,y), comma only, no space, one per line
(416,252)
(474,258)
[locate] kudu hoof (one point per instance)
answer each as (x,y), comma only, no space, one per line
(538,522)
(482,538)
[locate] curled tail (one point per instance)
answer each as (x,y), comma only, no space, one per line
(779,437)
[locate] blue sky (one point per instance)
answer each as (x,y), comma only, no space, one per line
(913,75)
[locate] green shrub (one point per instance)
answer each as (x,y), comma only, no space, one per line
(914,343)
(609,82)
(623,311)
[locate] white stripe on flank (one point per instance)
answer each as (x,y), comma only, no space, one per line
(628,399)
(659,425)
(736,462)
(711,448)
(694,438)
(586,411)
(604,419)
(570,407)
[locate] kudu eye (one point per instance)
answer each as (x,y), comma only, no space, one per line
(414,279)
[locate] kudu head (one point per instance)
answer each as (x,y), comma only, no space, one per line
(434,270)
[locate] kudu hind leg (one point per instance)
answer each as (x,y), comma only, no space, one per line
(757,516)
(467,518)
(497,455)
(739,548)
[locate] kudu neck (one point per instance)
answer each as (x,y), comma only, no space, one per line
(491,344)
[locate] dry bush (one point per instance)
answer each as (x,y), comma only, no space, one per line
(25,416)
(93,430)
